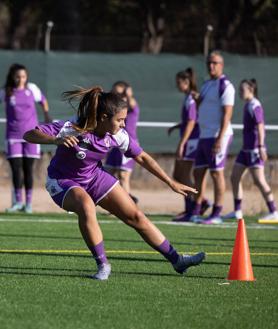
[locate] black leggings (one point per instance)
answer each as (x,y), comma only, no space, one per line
(22,171)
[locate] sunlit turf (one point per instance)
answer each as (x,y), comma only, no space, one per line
(45,268)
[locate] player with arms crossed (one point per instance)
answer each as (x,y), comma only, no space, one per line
(77,181)
(253,153)
(20,97)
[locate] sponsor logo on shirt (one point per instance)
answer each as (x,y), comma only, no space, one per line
(27,92)
(81,155)
(12,101)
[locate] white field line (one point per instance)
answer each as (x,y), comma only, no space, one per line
(116,221)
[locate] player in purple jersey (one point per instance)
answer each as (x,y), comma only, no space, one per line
(20,97)
(77,181)
(189,137)
(253,153)
(116,163)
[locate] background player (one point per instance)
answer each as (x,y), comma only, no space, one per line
(20,97)
(214,116)
(253,153)
(189,137)
(80,183)
(116,162)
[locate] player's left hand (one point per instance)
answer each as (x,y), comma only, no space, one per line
(182,189)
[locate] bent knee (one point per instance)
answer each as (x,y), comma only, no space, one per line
(137,219)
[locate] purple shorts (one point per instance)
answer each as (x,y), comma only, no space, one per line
(100,185)
(19,148)
(190,148)
(205,158)
(250,158)
(117,160)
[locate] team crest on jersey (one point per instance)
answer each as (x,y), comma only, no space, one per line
(107,141)
(81,155)
(27,92)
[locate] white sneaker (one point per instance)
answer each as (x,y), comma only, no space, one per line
(103,272)
(28,209)
(196,219)
(234,215)
(271,216)
(15,208)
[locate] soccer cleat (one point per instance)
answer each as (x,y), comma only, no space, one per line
(212,220)
(27,209)
(15,208)
(181,218)
(234,215)
(186,261)
(270,216)
(103,272)
(196,219)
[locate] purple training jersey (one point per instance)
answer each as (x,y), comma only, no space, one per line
(189,112)
(21,111)
(82,162)
(131,121)
(253,115)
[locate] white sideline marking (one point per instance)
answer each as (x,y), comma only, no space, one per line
(160,222)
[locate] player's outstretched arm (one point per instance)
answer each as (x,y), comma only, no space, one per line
(146,161)
(37,137)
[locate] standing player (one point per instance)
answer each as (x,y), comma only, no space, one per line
(215,112)
(77,181)
(116,162)
(20,97)
(189,137)
(253,154)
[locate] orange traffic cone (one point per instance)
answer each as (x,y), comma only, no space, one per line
(241,266)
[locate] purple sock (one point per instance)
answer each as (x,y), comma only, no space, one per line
(99,253)
(168,251)
(216,210)
(28,194)
(271,206)
(237,204)
(196,209)
(205,203)
(188,204)
(18,195)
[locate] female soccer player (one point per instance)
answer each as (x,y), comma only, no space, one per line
(253,153)
(189,136)
(116,163)
(77,181)
(20,97)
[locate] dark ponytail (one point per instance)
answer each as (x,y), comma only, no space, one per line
(252,83)
(188,74)
(92,103)
(10,81)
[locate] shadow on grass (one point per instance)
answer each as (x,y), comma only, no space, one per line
(29,271)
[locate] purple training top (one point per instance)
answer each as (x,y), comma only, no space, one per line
(253,115)
(21,110)
(131,121)
(189,112)
(82,162)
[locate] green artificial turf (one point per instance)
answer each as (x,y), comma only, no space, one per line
(45,268)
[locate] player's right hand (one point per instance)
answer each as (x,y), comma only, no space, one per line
(68,141)
(182,189)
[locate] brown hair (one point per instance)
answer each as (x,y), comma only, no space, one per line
(252,83)
(188,74)
(93,102)
(10,81)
